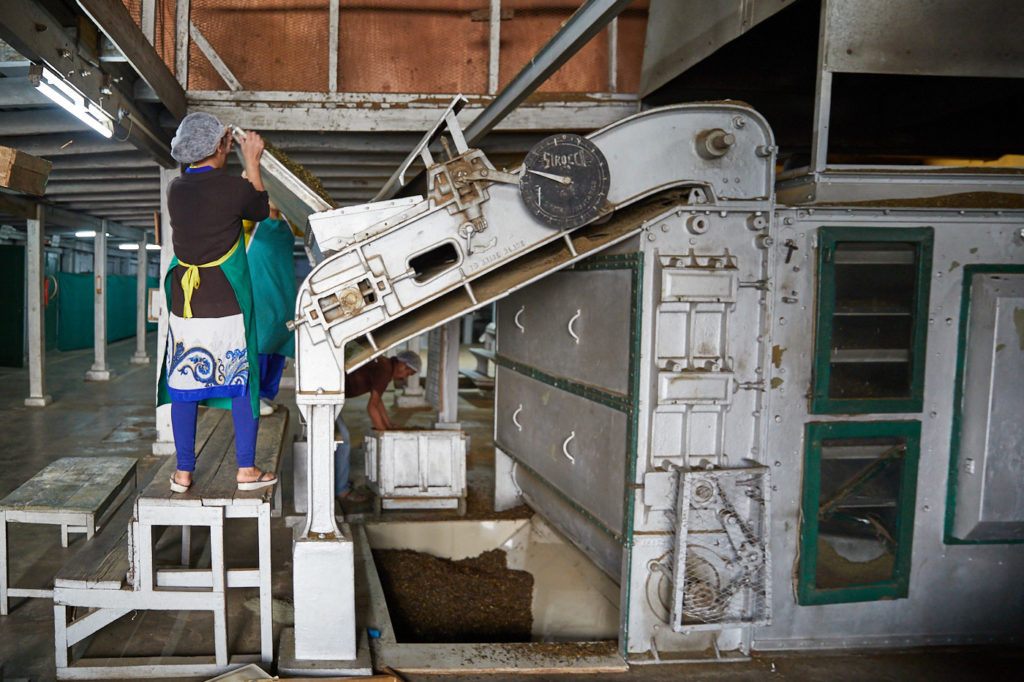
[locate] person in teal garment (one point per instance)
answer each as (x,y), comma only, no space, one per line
(272,270)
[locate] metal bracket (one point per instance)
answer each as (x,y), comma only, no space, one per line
(569,326)
(565,447)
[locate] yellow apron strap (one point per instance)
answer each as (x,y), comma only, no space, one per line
(190,281)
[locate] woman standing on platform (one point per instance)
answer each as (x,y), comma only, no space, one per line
(211,346)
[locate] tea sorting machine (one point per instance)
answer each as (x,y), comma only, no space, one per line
(395,268)
(777,415)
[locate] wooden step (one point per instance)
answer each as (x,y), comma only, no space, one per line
(103,563)
(479,379)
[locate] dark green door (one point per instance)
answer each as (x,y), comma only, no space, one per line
(12,306)
(52,268)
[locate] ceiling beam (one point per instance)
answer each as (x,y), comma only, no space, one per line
(148,205)
(112,174)
(394,114)
(26,208)
(584,24)
(56,144)
(37,35)
(132,159)
(18,92)
(52,119)
(91,187)
(113,19)
(112,197)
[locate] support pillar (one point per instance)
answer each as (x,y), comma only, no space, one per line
(412,395)
(164,443)
(140,357)
(323,557)
(36,323)
(448,375)
(99,370)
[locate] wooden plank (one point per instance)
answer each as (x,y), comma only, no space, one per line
(79,484)
(269,450)
(216,466)
(23,172)
(113,18)
(103,562)
(216,426)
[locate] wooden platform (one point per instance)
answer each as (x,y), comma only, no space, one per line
(214,478)
(118,574)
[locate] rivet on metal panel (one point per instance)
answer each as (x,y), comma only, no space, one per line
(739,121)
(764,241)
(788,221)
(757,222)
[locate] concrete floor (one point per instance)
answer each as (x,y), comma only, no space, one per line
(117,417)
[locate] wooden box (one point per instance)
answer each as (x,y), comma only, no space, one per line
(23,172)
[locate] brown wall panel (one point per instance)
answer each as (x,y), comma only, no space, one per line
(276,45)
(401,46)
(410,46)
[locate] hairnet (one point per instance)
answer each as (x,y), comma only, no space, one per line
(411,360)
(197,137)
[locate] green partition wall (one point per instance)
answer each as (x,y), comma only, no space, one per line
(75,308)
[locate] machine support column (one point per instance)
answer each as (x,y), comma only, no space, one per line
(323,557)
(140,357)
(36,323)
(320,482)
(99,370)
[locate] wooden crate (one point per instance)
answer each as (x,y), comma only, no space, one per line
(23,172)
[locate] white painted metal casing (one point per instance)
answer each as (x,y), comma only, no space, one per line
(417,469)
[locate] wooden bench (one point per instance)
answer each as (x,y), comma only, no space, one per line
(481,376)
(72,492)
(119,574)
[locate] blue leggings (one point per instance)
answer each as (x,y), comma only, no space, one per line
(183,423)
(271,368)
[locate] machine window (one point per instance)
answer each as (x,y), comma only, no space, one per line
(858,508)
(872,320)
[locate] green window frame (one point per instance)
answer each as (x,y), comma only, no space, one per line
(833,319)
(909,432)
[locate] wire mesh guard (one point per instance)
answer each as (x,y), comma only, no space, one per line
(721,567)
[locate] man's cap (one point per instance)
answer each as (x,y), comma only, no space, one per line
(197,137)
(411,360)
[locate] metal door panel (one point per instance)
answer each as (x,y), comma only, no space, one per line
(572,324)
(575,444)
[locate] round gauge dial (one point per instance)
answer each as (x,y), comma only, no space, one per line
(565,181)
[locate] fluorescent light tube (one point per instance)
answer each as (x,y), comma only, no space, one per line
(131,246)
(85,233)
(61,92)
